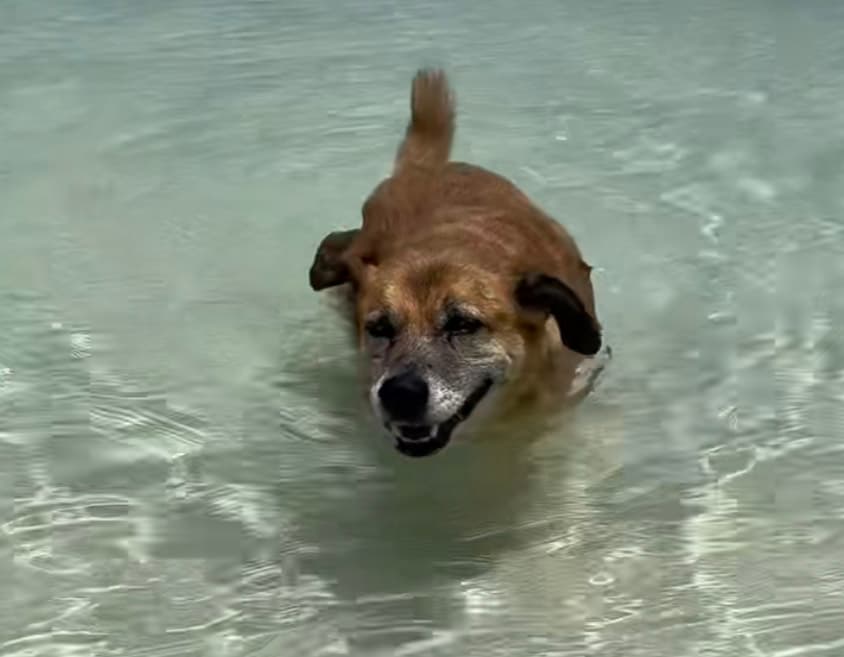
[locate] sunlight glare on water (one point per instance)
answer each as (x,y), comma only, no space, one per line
(185,464)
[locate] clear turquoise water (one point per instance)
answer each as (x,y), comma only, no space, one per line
(184,466)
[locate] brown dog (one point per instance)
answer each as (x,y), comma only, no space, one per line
(463,290)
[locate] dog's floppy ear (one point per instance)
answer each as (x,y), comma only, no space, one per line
(578,329)
(330,267)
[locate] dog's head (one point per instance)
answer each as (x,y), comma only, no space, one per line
(444,338)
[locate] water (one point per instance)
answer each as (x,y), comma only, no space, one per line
(185,468)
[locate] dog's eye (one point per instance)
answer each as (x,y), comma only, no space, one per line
(459,324)
(381,328)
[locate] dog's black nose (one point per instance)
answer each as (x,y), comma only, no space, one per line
(404,396)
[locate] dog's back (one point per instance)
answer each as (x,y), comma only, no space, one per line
(433,206)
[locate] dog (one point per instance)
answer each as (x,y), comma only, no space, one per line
(466,298)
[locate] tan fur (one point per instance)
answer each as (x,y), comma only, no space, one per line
(427,141)
(438,229)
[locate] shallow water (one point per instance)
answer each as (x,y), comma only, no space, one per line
(184,465)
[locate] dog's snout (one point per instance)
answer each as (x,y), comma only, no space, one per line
(404,396)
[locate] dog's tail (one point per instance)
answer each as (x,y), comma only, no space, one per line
(427,141)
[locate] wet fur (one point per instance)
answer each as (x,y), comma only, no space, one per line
(438,232)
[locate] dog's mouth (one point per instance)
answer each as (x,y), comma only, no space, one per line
(417,440)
